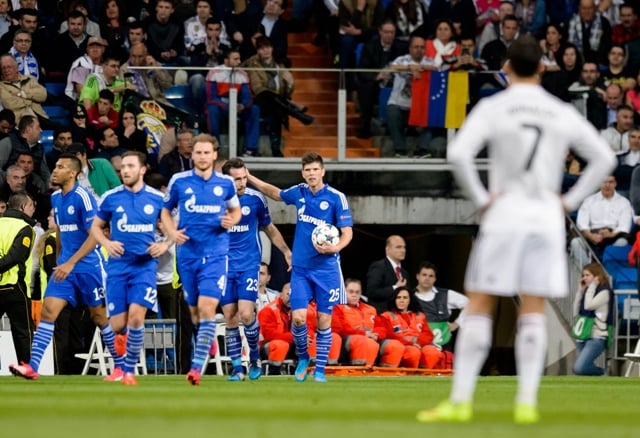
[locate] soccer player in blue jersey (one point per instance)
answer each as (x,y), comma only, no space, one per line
(132,212)
(207,208)
(316,270)
(245,250)
(79,276)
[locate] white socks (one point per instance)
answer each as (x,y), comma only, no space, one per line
(531,350)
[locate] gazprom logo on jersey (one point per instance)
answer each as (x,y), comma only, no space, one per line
(309,219)
(239,229)
(191,206)
(124,227)
(65,228)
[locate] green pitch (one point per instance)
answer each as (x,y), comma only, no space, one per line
(166,406)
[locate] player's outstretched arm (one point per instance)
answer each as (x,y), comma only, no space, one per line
(114,248)
(269,190)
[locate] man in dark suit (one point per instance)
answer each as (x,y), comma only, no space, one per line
(387,274)
(376,53)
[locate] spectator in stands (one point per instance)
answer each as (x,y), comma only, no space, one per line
(35,184)
(26,139)
(81,68)
(552,45)
(28,65)
(628,161)
(593,307)
(271,24)
(632,98)
(604,218)
(616,71)
(149,83)
(590,32)
(406,323)
(102,114)
(113,26)
(462,13)
(16,181)
(591,84)
(7,122)
(571,62)
(69,45)
(443,49)
(531,16)
(406,68)
(387,274)
(91,27)
(105,79)
(470,62)
(27,20)
(495,51)
(272,91)
(79,130)
(108,145)
(407,16)
(614,97)
(219,81)
(492,30)
(98,175)
(136,34)
(130,136)
(265,294)
(617,134)
(377,53)
(437,304)
(358,21)
(179,159)
(61,141)
(164,35)
(21,94)
(355,323)
(629,27)
(5,17)
(195,32)
(275,330)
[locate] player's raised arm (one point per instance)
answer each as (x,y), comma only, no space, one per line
(269,190)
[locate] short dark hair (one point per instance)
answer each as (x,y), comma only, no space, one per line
(212,20)
(19,199)
(524,56)
(76,14)
(135,25)
(427,265)
(76,165)
(8,115)
(232,163)
(142,158)
(263,41)
(312,157)
(107,94)
(26,122)
(155,180)
(59,130)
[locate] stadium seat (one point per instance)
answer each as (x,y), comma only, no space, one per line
(46,140)
(98,357)
(57,114)
(614,260)
(55,93)
(634,359)
(385,93)
(180,97)
(359,49)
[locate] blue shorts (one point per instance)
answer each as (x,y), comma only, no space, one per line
(137,287)
(241,286)
(324,285)
(79,288)
(204,276)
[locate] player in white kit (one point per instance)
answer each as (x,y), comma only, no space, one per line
(520,249)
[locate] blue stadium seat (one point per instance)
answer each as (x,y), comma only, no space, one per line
(359,49)
(624,276)
(57,114)
(180,97)
(46,140)
(383,98)
(55,93)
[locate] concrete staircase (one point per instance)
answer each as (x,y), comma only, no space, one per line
(318,91)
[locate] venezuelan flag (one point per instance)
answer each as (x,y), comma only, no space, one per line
(439,99)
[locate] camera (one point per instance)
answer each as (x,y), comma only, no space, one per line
(465,51)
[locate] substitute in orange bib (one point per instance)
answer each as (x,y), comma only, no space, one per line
(355,323)
(407,324)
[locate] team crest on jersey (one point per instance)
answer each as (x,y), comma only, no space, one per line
(111,307)
(324,205)
(246,210)
(148,209)
(71,210)
(217,190)
(119,209)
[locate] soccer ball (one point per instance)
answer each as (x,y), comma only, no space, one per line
(325,233)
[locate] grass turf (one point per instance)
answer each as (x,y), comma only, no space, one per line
(166,406)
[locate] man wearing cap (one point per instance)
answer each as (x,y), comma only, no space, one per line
(82,67)
(69,45)
(98,175)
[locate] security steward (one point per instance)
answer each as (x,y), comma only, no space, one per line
(16,240)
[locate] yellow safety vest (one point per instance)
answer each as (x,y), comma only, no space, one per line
(9,229)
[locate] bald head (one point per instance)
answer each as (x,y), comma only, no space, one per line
(395,248)
(138,55)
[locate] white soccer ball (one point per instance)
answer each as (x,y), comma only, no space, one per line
(325,233)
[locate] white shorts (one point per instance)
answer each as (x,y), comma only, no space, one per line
(513,263)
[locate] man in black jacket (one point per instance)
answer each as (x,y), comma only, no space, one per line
(376,54)
(387,274)
(179,159)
